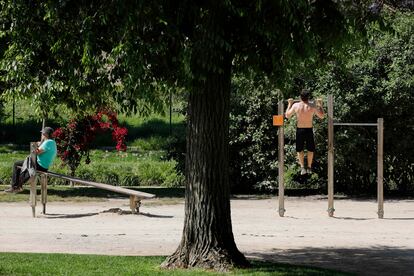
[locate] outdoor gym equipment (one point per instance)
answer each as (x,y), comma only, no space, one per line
(278,121)
(135,197)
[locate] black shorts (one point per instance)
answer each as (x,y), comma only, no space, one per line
(304,135)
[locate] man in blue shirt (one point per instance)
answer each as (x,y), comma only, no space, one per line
(46,154)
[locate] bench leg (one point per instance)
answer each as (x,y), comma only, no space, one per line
(43,183)
(134,204)
(33,194)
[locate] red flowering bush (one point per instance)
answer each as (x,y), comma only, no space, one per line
(74,140)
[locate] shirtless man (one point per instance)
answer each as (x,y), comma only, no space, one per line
(304,111)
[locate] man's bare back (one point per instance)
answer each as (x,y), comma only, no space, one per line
(304,112)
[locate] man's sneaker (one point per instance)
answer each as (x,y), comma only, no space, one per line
(13,190)
(302,171)
(309,170)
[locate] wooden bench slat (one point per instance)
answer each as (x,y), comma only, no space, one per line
(101,185)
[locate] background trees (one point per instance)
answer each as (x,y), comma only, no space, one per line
(129,54)
(370,77)
(375,80)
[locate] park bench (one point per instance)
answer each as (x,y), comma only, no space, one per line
(135,197)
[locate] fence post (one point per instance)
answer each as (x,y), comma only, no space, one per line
(43,183)
(380,168)
(330,157)
(134,204)
(33,180)
(281,163)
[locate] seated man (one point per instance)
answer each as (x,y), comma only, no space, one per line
(46,154)
(305,111)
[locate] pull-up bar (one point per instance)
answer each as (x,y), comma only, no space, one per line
(355,124)
(281,157)
(380,168)
(278,121)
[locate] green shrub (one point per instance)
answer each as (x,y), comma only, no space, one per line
(5,174)
(153,143)
(129,179)
(253,146)
(111,168)
(6,164)
(153,173)
(369,79)
(374,81)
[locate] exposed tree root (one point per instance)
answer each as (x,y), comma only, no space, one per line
(214,259)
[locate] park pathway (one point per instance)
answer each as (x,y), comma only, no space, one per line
(353,241)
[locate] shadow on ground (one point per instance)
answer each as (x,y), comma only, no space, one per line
(118,211)
(362,261)
(99,193)
(66,216)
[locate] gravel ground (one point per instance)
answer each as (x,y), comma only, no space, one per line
(353,241)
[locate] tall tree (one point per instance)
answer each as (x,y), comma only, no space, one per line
(90,53)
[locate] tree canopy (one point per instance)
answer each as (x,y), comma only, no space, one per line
(87,54)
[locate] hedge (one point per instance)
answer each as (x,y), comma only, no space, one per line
(135,170)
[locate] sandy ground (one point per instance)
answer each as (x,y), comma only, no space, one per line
(353,241)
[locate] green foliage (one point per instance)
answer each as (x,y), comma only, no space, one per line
(368,81)
(253,142)
(8,157)
(151,143)
(375,81)
(120,169)
(144,132)
(153,173)
(131,55)
(145,164)
(2,110)
(121,53)
(69,51)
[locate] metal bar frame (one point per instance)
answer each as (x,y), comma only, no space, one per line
(380,168)
(355,124)
(331,208)
(33,180)
(281,163)
(380,158)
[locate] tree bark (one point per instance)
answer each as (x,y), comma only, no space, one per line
(208,240)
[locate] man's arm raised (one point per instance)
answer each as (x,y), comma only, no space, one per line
(319,109)
(289,110)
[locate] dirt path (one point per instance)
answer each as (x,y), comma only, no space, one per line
(354,241)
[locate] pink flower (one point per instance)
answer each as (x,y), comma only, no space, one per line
(73,140)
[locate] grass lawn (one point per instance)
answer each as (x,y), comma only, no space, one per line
(66,264)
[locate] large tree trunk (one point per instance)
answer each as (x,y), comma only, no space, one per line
(207,239)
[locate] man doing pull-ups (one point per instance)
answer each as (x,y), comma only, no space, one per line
(304,111)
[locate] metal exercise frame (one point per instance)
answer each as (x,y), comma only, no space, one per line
(331,124)
(331,159)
